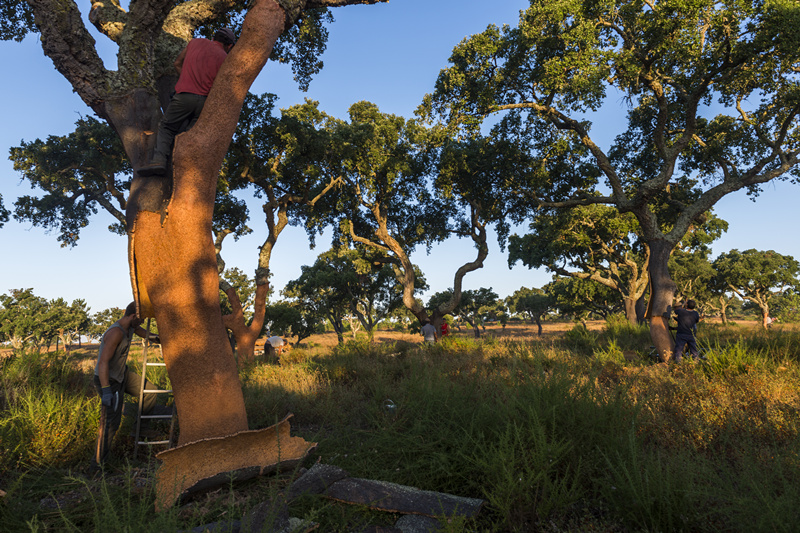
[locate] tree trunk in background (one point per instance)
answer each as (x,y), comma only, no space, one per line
(723,310)
(338,327)
(475,328)
(245,335)
(171,252)
(641,310)
(662,292)
(630,310)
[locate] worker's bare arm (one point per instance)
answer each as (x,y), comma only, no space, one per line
(143,333)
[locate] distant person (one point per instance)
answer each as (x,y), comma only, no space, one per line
(278,344)
(445,329)
(197,66)
(112,378)
(428,332)
(687,319)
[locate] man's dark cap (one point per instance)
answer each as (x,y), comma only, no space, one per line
(225,36)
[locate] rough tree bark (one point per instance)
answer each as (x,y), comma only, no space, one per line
(245,335)
(662,293)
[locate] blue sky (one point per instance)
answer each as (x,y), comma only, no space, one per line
(389,54)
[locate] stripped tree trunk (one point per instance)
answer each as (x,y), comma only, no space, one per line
(172,256)
(662,292)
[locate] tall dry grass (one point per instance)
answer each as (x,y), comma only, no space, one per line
(569,432)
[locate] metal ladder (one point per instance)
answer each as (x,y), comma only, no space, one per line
(142,392)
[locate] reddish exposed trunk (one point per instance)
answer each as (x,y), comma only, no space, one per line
(662,292)
(172,256)
(245,335)
(764,316)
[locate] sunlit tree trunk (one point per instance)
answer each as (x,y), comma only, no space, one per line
(172,255)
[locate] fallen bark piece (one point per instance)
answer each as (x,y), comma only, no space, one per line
(218,527)
(292,525)
(267,516)
(417,524)
(208,463)
(315,480)
(395,498)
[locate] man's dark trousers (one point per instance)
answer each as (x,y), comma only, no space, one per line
(182,112)
(681,340)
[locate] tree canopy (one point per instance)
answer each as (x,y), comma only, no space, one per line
(757,276)
(76,172)
(593,242)
(534,303)
(712,106)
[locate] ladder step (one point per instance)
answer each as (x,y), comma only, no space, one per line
(156,416)
(152,442)
(156,364)
(157,391)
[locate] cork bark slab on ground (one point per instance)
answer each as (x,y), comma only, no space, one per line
(208,463)
(417,524)
(392,497)
(318,478)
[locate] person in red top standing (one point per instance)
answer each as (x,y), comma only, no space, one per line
(197,66)
(445,329)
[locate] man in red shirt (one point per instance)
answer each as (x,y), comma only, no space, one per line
(197,66)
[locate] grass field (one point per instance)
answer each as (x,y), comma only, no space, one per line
(572,431)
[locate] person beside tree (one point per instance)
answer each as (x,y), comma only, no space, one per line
(429,332)
(687,319)
(112,378)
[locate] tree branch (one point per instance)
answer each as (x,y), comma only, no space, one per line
(109,18)
(67,42)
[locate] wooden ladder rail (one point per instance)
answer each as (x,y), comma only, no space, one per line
(142,392)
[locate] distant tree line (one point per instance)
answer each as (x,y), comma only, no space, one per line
(30,320)
(352,289)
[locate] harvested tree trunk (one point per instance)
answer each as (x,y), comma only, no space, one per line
(172,256)
(662,292)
